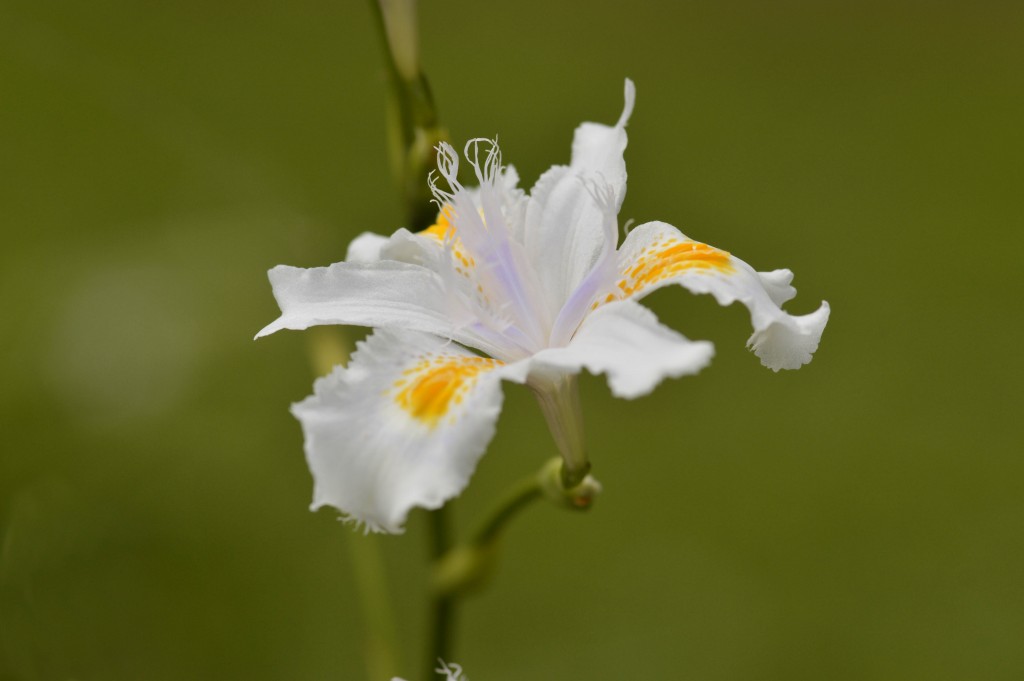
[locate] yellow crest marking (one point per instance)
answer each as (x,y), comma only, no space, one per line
(428,390)
(665,259)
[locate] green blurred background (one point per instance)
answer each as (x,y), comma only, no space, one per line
(862,518)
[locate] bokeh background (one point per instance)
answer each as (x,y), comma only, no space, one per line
(862,518)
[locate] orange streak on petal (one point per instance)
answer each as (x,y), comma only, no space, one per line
(438,383)
(674,258)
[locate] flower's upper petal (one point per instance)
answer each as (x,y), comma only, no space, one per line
(625,341)
(384,294)
(657,254)
(402,426)
(563,234)
(366,248)
(567,227)
(597,149)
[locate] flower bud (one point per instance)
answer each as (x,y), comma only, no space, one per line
(552,484)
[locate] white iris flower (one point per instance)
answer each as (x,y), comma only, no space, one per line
(530,288)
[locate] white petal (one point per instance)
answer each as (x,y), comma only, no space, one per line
(563,233)
(502,267)
(402,426)
(365,248)
(657,254)
(567,230)
(625,341)
(424,248)
(790,343)
(597,149)
(381,294)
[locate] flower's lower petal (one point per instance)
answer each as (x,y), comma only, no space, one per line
(402,426)
(625,341)
(382,294)
(657,254)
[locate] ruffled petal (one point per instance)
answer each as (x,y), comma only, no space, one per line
(571,214)
(625,341)
(402,426)
(657,254)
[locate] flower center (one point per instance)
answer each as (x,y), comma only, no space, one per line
(442,227)
(443,230)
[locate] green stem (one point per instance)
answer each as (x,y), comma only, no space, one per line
(517,499)
(368,568)
(459,569)
(413,128)
(467,567)
(442,604)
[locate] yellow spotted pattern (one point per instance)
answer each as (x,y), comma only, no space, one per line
(666,258)
(443,229)
(429,390)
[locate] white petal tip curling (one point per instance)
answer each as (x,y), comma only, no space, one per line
(629,96)
(779,285)
(790,342)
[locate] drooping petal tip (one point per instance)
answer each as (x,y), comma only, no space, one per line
(790,342)
(629,95)
(656,254)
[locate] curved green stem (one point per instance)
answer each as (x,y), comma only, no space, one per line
(460,568)
(467,567)
(515,500)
